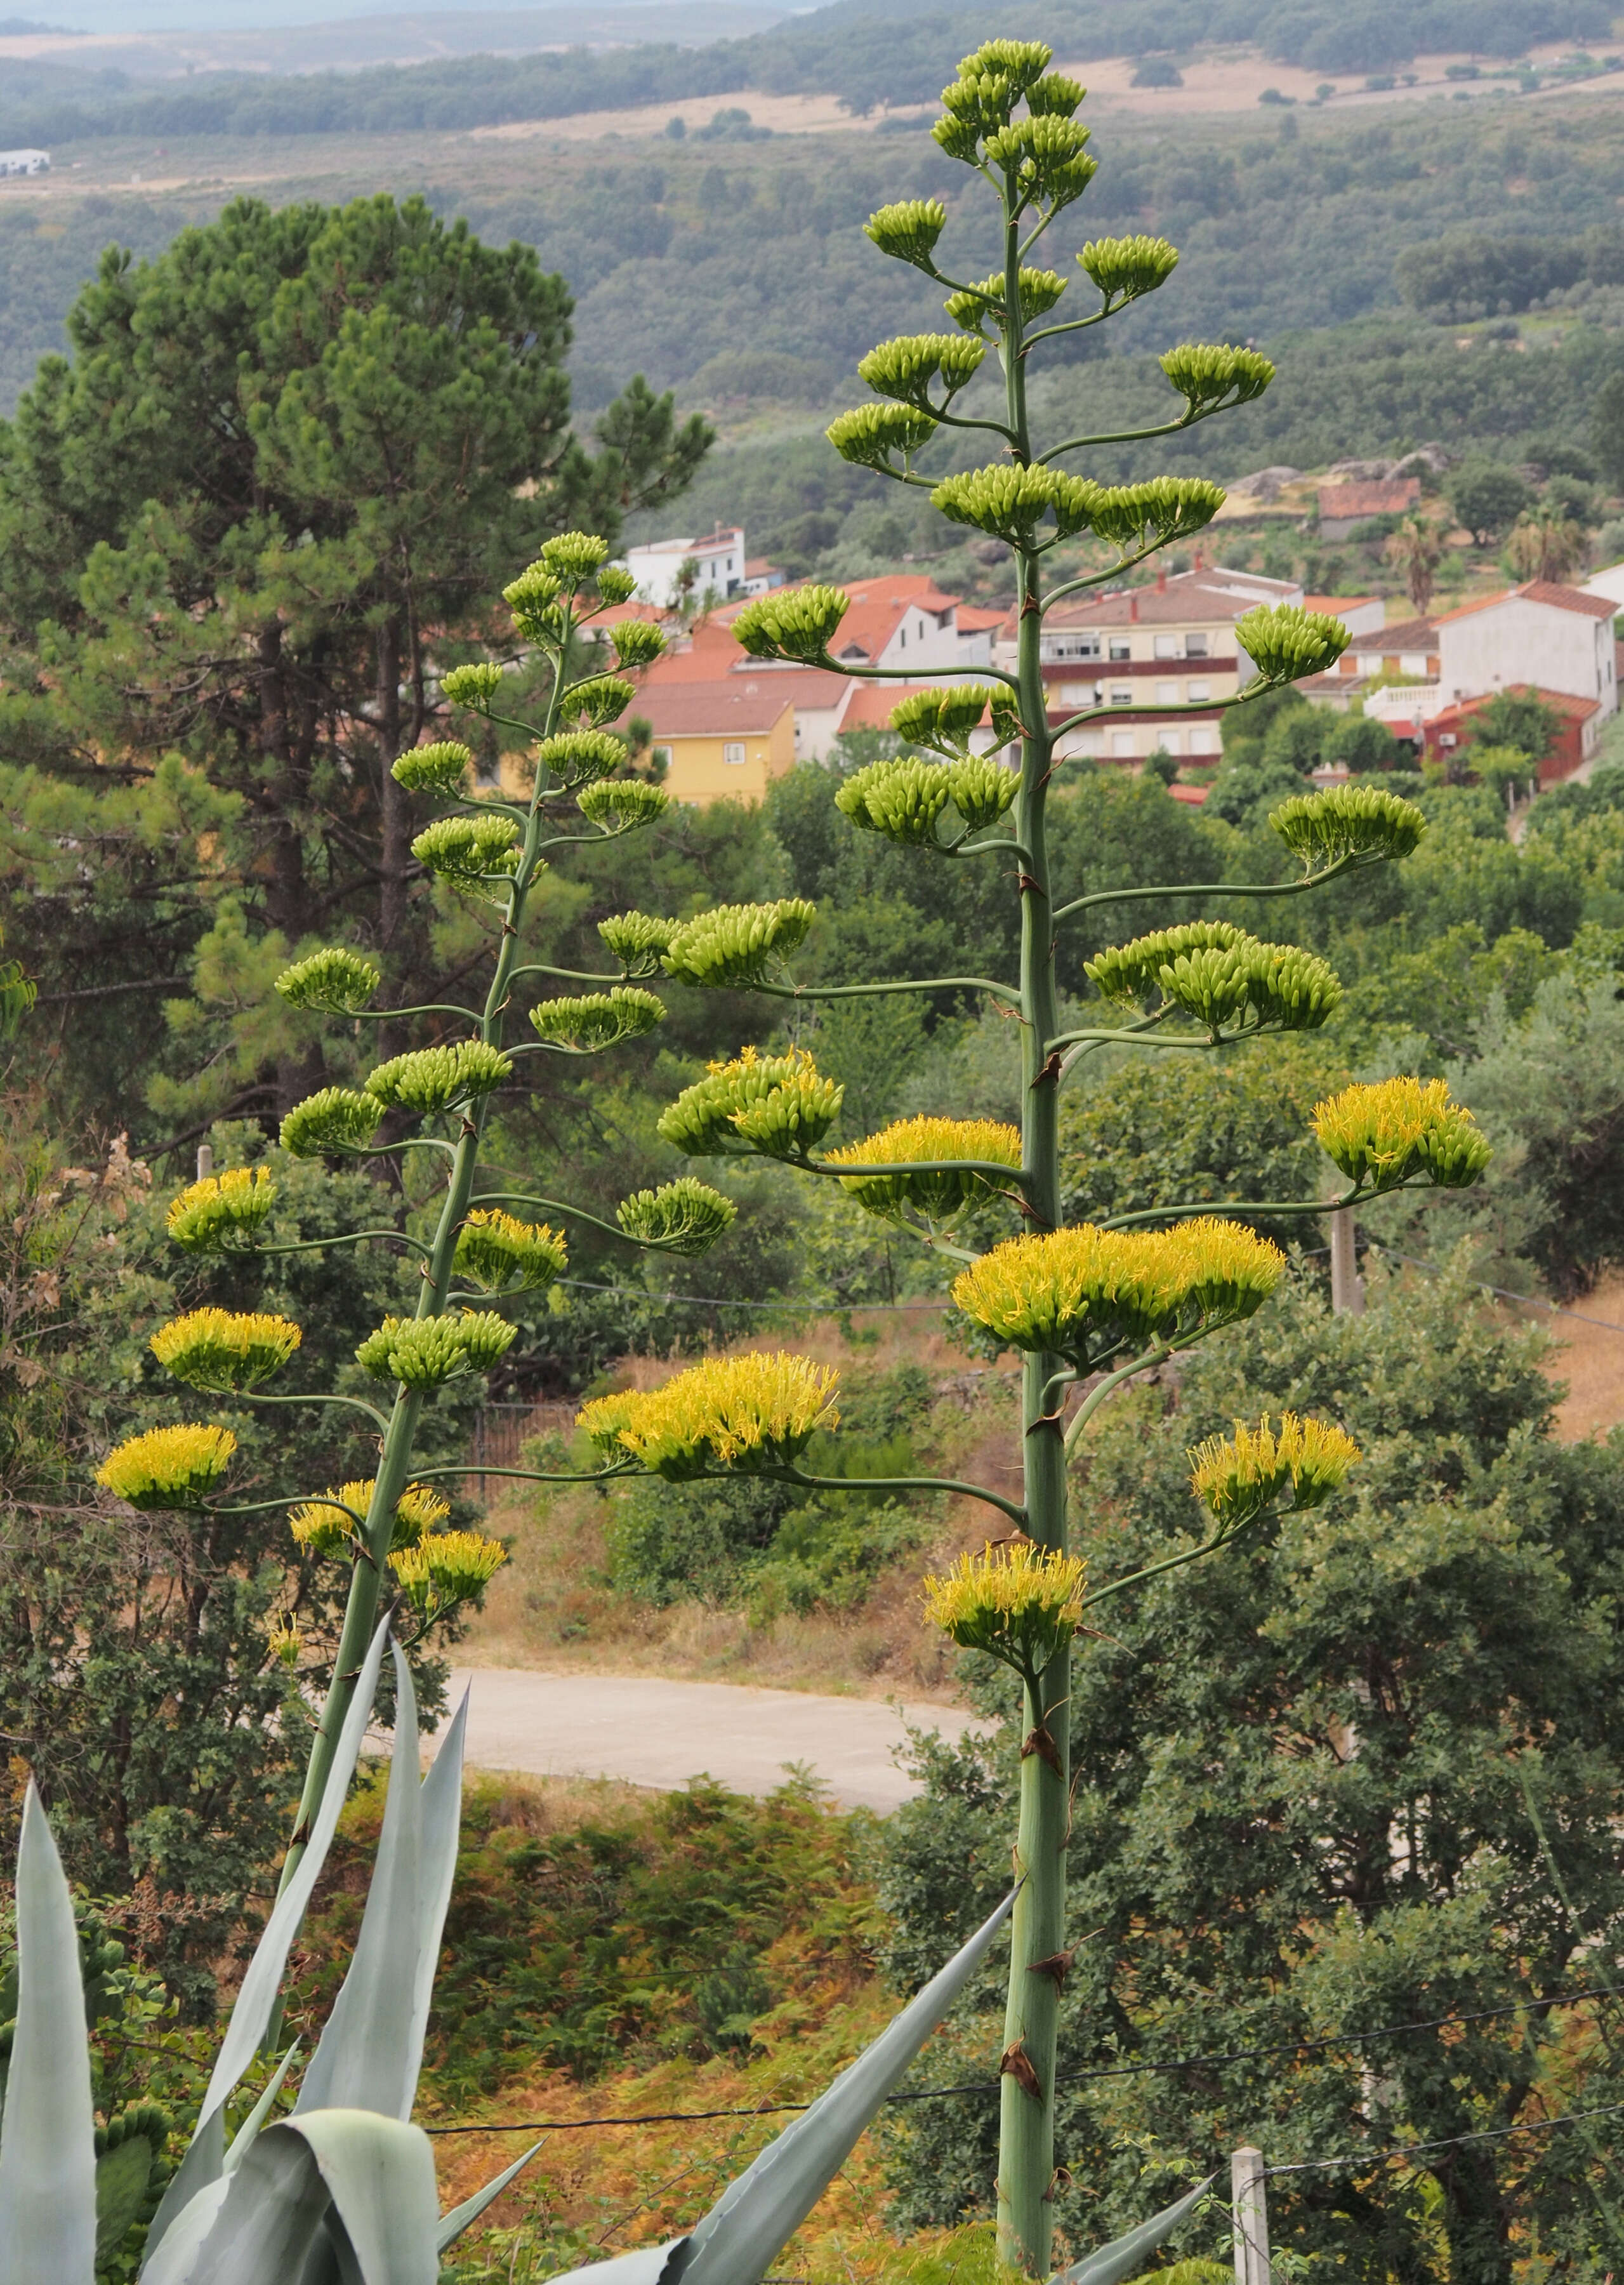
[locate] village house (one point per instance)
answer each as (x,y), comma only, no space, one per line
(1345,507)
(721,568)
(1554,640)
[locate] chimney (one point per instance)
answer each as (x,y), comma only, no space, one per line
(1161,578)
(1134,610)
(1201,558)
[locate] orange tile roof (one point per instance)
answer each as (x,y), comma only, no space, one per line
(1399,634)
(973,621)
(1335,603)
(1560,701)
(872,703)
(720,708)
(1539,591)
(877,605)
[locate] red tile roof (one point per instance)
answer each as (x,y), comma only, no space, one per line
(1193,794)
(1555,598)
(1369,500)
(1399,634)
(725,707)
(1335,603)
(973,621)
(878,605)
(1560,701)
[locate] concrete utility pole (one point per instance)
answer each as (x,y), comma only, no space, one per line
(206,1160)
(1249,2204)
(1346,1289)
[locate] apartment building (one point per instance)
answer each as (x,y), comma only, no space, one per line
(1169,648)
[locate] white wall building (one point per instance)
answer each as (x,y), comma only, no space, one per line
(25,163)
(718,560)
(1539,635)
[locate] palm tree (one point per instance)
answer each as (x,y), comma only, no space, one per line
(1416,549)
(1546,544)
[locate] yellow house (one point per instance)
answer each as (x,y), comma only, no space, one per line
(720,741)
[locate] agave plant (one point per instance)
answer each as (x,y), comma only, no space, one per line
(341,2190)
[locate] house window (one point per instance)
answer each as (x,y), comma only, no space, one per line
(1121,744)
(1196,693)
(1171,742)
(1120,649)
(1166,693)
(1120,696)
(903,639)
(1091,742)
(1167,646)
(1202,742)
(732,752)
(1078,693)
(1075,647)
(1195,646)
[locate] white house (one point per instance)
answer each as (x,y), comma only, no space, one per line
(25,163)
(718,561)
(1609,585)
(1541,635)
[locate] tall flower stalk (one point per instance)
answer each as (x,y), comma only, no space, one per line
(1088,1307)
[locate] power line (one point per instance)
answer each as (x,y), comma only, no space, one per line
(1450,2142)
(1117,2070)
(1504,1292)
(726,1301)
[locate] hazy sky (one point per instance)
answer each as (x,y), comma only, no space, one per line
(228,15)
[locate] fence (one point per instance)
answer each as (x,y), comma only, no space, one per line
(502,1431)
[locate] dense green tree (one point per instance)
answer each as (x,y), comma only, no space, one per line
(288,463)
(1607,430)
(1488,499)
(1308,1775)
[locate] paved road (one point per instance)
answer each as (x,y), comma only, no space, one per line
(661,1733)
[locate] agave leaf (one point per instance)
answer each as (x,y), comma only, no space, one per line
(645,2264)
(341,2194)
(121,2178)
(755,2217)
(442,1832)
(242,2142)
(48,2145)
(360,2062)
(464,2217)
(256,1997)
(1124,2256)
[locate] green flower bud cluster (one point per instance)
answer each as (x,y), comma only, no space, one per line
(973,305)
(684,1217)
(476,687)
(600,698)
(575,757)
(1280,985)
(332,1121)
(735,944)
(1010,502)
(500,1253)
(432,1079)
(778,1104)
(908,231)
(621,805)
(439,768)
(798,623)
(1044,158)
(573,556)
(533,600)
(902,799)
(637,940)
(616,583)
(1349,820)
(1125,268)
(1208,376)
(338,983)
(426,1351)
(1126,973)
(585,1026)
(1285,642)
(218,1214)
(989,84)
(904,368)
(638,642)
(474,855)
(1136,518)
(943,720)
(870,434)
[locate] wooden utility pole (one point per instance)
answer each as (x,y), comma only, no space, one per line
(1346,1290)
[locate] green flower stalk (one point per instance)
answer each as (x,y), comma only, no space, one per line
(1087,1302)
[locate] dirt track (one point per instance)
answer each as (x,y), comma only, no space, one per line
(654,1732)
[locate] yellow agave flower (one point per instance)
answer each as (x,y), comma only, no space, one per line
(910,1141)
(223,1349)
(1239,1477)
(446,1567)
(1384,1135)
(323,1528)
(220,1207)
(167,1467)
(742,1412)
(1052,1292)
(1019,1602)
